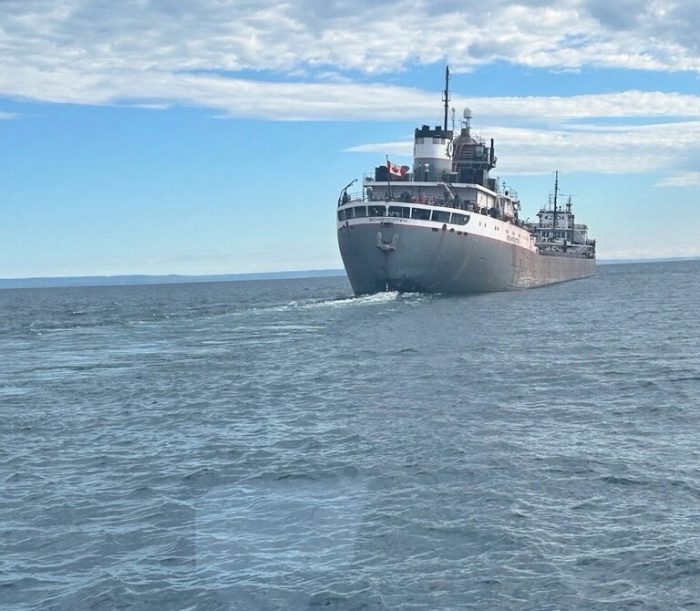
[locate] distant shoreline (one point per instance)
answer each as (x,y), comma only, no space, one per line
(143,279)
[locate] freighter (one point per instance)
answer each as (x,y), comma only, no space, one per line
(444,226)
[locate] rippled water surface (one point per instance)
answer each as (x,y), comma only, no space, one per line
(282,445)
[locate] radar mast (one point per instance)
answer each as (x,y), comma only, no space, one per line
(446,95)
(556,193)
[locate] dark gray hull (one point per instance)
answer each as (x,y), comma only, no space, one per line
(409,258)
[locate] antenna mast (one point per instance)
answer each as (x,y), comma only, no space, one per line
(446,95)
(556,192)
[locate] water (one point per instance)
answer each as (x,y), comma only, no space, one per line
(282,445)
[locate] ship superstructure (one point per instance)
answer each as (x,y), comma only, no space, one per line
(556,231)
(444,225)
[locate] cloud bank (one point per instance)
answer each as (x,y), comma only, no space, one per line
(597,148)
(96,51)
(330,60)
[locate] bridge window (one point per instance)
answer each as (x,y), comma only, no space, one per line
(459,219)
(440,216)
(360,211)
(420,214)
(377,210)
(348,213)
(400,211)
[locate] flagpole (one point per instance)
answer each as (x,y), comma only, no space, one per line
(388,178)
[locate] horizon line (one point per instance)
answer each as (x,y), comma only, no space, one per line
(175,278)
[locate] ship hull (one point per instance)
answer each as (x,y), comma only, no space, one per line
(410,258)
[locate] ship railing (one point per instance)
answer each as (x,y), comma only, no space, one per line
(406,197)
(457,203)
(425,200)
(574,252)
(348,198)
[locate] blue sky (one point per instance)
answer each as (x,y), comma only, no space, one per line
(213,136)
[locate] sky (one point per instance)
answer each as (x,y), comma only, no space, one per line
(214,136)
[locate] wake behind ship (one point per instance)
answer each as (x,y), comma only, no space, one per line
(445,226)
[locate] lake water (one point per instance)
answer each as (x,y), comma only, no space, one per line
(284,445)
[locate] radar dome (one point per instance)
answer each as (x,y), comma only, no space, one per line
(467,112)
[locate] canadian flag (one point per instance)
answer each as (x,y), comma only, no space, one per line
(396,170)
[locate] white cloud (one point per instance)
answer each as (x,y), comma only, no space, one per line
(93,51)
(681,179)
(598,148)
(590,148)
(403,148)
(648,252)
(625,104)
(209,53)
